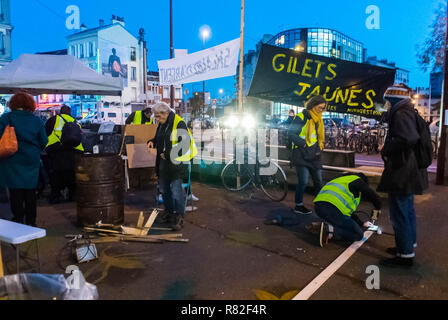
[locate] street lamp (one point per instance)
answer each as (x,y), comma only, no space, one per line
(205,32)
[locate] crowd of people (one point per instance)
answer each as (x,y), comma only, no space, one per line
(335,203)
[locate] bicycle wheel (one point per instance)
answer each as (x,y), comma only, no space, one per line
(233,172)
(275,186)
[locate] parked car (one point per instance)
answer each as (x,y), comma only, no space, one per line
(89,120)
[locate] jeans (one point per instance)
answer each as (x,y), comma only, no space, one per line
(23,206)
(404,222)
(345,228)
(172,192)
(303,174)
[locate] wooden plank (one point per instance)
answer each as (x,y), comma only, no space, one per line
(150,222)
(101,230)
(141,240)
(140,220)
(309,290)
(131,231)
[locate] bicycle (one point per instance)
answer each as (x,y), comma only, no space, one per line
(237,177)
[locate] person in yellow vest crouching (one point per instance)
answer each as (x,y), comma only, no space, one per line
(336,204)
(64,141)
(175,149)
(140,117)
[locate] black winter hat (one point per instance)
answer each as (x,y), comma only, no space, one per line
(314,101)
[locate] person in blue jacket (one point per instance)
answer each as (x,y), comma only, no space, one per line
(20,172)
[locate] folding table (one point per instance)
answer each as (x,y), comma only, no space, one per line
(17,234)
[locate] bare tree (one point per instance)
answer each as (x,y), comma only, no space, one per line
(431,54)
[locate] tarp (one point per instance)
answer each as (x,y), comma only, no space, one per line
(55,74)
(290,77)
(217,62)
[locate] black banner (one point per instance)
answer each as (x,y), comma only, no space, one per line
(291,77)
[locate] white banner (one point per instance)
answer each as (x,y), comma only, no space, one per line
(217,62)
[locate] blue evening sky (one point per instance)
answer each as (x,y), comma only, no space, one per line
(39,25)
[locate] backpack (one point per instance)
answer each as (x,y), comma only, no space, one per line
(423,150)
(71,134)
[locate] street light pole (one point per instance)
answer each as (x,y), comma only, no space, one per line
(171,51)
(240,85)
(203,86)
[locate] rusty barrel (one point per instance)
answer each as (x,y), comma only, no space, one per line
(100,189)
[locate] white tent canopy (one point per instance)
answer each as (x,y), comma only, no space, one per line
(55,74)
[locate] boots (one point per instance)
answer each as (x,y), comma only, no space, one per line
(177,223)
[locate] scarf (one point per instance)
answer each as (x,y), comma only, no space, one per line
(316,119)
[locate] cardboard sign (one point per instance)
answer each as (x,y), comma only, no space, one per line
(141,133)
(139,156)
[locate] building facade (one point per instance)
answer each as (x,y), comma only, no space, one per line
(158,93)
(320,41)
(110,49)
(401,76)
(5,33)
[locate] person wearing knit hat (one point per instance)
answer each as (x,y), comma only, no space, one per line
(402,178)
(307,134)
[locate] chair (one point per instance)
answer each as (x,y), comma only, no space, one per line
(17,234)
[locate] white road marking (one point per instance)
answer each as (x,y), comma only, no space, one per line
(309,290)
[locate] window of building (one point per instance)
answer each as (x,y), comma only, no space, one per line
(73,50)
(178,93)
(81,50)
(133,54)
(112,115)
(91,49)
(2,43)
(133,74)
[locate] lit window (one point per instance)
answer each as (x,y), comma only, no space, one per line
(282,39)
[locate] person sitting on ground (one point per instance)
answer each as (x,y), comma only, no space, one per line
(140,117)
(336,204)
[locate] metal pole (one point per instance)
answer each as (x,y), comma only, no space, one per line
(240,82)
(442,178)
(203,89)
(171,51)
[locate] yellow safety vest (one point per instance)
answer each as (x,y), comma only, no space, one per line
(138,118)
(193,150)
(304,131)
(337,192)
(55,136)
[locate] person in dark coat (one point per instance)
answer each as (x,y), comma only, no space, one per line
(307,135)
(20,172)
(171,173)
(61,158)
(402,178)
(290,119)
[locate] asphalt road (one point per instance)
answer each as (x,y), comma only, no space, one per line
(232,253)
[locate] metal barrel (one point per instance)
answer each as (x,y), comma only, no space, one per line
(100,189)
